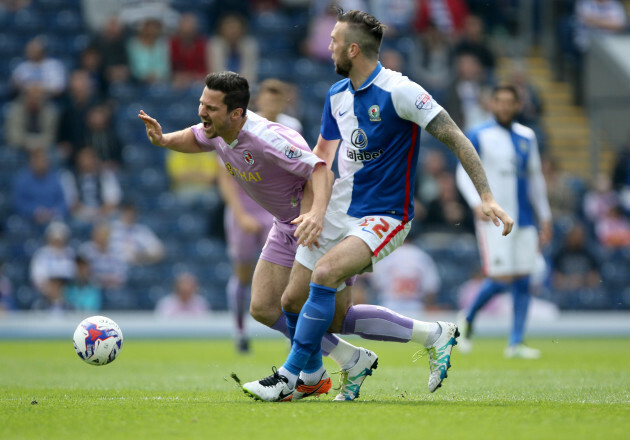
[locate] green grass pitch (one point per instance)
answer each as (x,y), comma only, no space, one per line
(174,389)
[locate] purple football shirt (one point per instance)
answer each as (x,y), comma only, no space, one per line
(269,161)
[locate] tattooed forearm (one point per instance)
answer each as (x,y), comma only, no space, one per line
(444,129)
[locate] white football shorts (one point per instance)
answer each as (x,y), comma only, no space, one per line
(382,234)
(514,254)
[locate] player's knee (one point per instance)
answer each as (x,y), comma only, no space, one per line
(291,303)
(325,274)
(264,314)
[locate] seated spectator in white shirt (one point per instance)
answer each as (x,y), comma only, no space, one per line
(109,269)
(53,266)
(92,191)
(135,242)
(38,68)
(185,300)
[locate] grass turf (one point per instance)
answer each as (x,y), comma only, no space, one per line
(173,389)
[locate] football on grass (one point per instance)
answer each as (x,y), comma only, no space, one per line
(98,340)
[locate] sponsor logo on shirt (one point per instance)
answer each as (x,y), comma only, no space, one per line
(359,139)
(249,157)
(364,155)
(424,102)
(243,175)
(375,113)
(292,152)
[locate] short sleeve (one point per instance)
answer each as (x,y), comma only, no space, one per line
(415,104)
(204,143)
(330,129)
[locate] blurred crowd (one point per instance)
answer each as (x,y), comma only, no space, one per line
(92,216)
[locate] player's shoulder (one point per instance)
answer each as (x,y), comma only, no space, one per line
(476,130)
(340,86)
(523,130)
(272,133)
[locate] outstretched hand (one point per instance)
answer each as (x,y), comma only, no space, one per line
(310,225)
(153,127)
(497,215)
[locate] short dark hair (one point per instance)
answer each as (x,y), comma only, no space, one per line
(234,86)
(365,30)
(506,88)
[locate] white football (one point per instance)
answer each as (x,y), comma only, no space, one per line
(98,340)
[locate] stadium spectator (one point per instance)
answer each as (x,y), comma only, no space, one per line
(102,136)
(37,191)
(91,61)
(563,198)
(473,42)
(448,211)
(433,164)
(193,178)
(575,267)
(7,301)
(112,45)
(510,155)
(599,199)
(32,120)
(81,293)
(188,52)
(233,48)
(448,15)
(318,38)
(621,176)
(185,301)
(273,98)
(109,269)
(93,192)
(613,229)
(135,242)
(593,18)
(407,281)
(431,63)
(148,53)
(397,15)
(52,267)
(597,17)
(38,68)
(97,13)
(81,97)
(393,60)
(466,100)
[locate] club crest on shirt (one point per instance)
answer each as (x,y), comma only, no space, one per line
(375,113)
(249,157)
(292,152)
(424,102)
(523,146)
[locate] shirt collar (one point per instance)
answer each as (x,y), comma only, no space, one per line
(370,79)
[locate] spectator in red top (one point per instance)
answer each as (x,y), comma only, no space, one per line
(447,15)
(188,52)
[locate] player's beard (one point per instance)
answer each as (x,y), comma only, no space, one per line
(343,65)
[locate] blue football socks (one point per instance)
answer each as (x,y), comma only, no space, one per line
(314,320)
(489,288)
(521,297)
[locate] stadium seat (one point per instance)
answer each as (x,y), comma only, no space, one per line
(27,22)
(25,296)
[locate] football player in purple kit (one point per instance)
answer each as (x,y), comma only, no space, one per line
(247,224)
(377,114)
(272,164)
